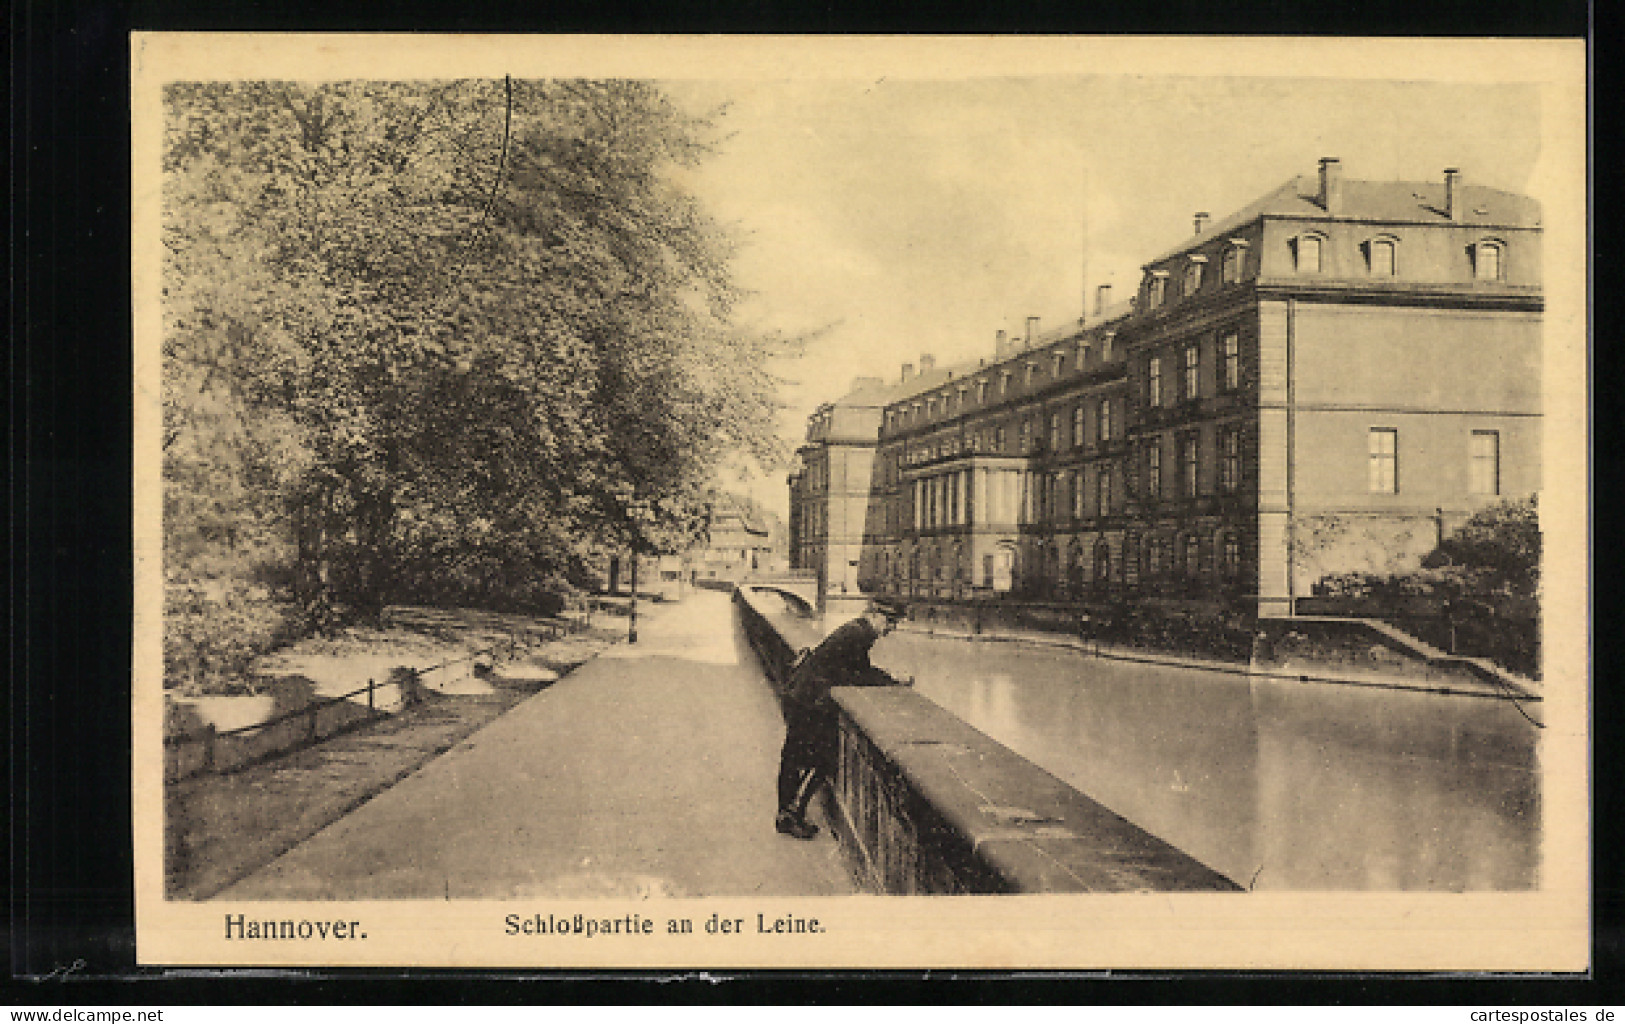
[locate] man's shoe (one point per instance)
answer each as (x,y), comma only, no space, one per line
(791,825)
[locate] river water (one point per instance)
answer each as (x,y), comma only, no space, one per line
(1278,784)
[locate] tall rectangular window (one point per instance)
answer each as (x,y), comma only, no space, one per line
(1383,460)
(1231,267)
(1079,495)
(1153,385)
(1308,253)
(1189,464)
(1158,291)
(1105,419)
(1381,252)
(1055,432)
(1026,436)
(1153,470)
(1484,466)
(1193,278)
(1230,352)
(1103,491)
(1077,425)
(1193,368)
(1230,460)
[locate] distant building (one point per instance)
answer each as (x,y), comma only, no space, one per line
(1325,381)
(739,542)
(829,487)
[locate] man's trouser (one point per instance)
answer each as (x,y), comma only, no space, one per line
(808,758)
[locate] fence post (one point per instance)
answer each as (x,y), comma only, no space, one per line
(311,732)
(370,707)
(208,746)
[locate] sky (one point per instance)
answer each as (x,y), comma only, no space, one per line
(897,217)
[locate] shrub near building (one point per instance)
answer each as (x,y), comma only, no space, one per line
(1477,593)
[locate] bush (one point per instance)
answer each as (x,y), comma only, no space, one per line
(214,629)
(1502,541)
(1476,594)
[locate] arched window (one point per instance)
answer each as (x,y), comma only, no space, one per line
(1193,555)
(1381,256)
(1489,263)
(1306,254)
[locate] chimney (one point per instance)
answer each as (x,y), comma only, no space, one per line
(908,371)
(1452,193)
(1201,221)
(1001,345)
(1331,184)
(1103,295)
(928,362)
(1032,330)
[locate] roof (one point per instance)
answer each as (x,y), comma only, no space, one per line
(726,505)
(1406,202)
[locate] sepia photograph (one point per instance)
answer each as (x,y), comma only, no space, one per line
(870,502)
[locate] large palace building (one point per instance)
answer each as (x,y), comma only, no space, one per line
(1324,382)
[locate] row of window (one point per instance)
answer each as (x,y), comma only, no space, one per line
(1483,461)
(1025,497)
(1379,256)
(1189,554)
(955,399)
(1065,430)
(1188,386)
(1188,452)
(1232,268)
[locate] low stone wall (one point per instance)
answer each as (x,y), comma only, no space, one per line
(924,803)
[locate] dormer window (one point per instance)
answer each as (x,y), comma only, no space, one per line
(931,408)
(981,392)
(1060,364)
(1489,260)
(1157,289)
(1381,256)
(1004,383)
(1193,275)
(1082,356)
(1235,254)
(1032,373)
(1306,254)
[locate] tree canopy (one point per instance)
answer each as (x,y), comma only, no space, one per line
(441,341)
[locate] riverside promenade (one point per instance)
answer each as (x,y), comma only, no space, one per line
(647,771)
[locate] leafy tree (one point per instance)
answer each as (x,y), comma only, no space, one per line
(442,340)
(1503,540)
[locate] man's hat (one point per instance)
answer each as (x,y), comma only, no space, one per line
(890,608)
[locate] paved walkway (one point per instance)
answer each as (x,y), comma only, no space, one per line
(649,771)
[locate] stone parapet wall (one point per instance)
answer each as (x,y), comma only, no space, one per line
(924,803)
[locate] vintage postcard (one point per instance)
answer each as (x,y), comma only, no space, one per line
(1001,503)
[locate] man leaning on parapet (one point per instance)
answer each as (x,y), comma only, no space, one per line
(811,726)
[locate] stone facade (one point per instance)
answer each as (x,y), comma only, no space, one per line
(1326,381)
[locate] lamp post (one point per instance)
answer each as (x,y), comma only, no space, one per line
(632,613)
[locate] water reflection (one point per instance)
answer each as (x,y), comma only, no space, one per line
(1282,785)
